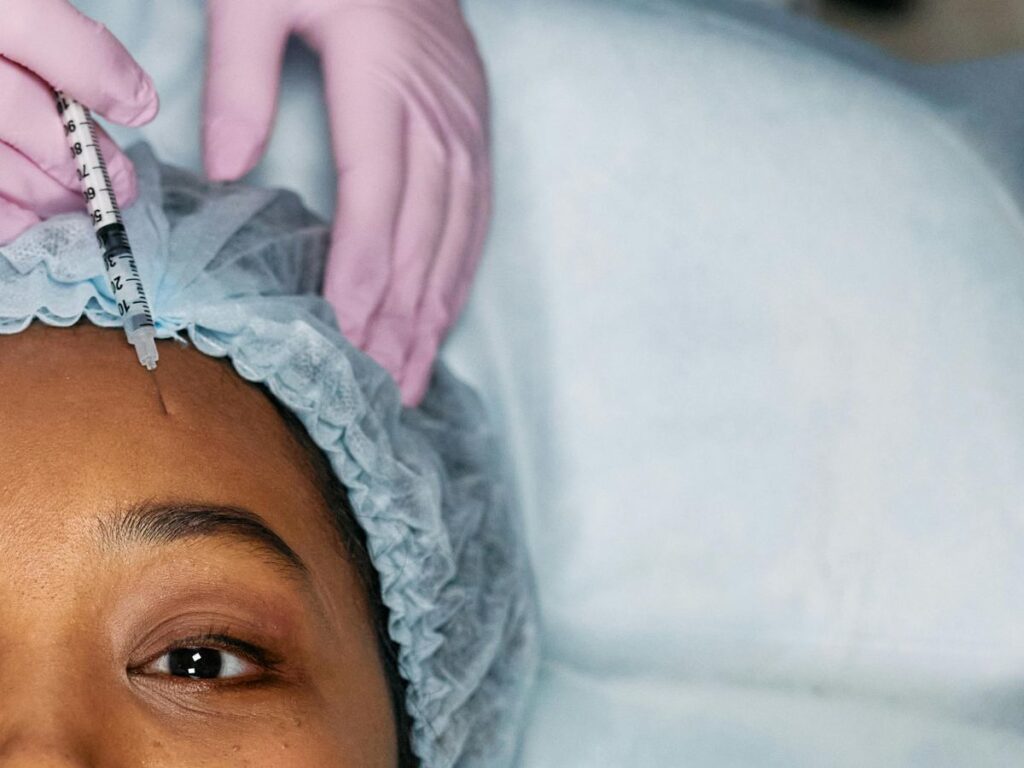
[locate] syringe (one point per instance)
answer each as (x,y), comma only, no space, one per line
(122,271)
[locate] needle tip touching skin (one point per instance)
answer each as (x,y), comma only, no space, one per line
(232,148)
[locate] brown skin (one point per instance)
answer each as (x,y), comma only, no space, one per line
(86,620)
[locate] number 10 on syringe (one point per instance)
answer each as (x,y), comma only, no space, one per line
(122,271)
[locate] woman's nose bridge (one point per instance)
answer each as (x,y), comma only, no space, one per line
(46,709)
(59,680)
(28,754)
(42,731)
(41,740)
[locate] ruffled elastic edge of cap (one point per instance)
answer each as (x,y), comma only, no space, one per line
(401,537)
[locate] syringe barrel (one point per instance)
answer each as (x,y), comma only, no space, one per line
(123,275)
(121,270)
(89,165)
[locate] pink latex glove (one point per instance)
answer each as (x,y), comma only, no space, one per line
(407,99)
(47,44)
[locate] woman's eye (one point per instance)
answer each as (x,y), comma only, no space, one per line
(202,664)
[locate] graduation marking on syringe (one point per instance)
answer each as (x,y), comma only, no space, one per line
(118,259)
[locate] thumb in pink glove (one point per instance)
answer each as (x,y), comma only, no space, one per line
(47,44)
(407,99)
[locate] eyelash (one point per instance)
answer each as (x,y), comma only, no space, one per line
(220,639)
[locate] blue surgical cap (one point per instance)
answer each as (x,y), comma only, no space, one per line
(237,270)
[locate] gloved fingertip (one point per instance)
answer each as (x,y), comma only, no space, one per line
(352,328)
(353,325)
(414,389)
(418,372)
(149,100)
(140,109)
(417,376)
(231,148)
(388,354)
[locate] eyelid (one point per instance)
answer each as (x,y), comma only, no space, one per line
(266,661)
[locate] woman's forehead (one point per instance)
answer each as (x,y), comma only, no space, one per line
(82,423)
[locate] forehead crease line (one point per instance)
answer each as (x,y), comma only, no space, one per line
(154,523)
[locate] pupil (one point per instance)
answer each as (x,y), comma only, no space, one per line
(201,663)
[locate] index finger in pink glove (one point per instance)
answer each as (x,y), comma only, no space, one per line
(370,149)
(398,302)
(435,264)
(74,53)
(36,133)
(47,44)
(448,286)
(434,267)
(245,43)
(418,236)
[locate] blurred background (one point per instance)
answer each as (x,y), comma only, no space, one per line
(930,30)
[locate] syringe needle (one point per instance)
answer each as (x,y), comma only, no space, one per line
(159,394)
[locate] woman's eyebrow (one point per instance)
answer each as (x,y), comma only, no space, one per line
(156,523)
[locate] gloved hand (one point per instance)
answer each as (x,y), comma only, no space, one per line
(408,109)
(47,44)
